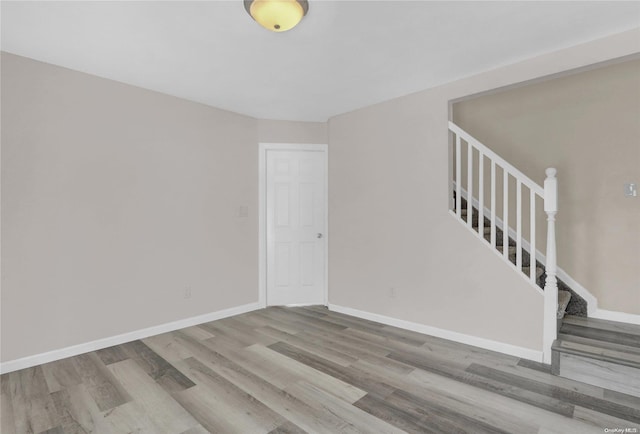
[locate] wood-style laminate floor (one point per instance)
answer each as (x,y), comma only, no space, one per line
(291,370)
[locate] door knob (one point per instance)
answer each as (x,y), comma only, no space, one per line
(319,235)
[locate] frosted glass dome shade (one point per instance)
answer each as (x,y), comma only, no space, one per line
(277,15)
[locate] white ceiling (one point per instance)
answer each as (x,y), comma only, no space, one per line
(343,55)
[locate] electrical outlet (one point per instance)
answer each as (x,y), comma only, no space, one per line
(243,211)
(392,292)
(187,292)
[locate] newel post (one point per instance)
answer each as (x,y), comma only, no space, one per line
(551,283)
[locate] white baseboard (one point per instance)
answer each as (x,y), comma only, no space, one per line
(74,350)
(592,301)
(512,350)
(616,316)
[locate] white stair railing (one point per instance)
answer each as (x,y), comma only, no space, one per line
(476,199)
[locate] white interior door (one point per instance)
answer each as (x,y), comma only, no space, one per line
(295,226)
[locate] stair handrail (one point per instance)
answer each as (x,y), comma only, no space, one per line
(498,159)
(549,195)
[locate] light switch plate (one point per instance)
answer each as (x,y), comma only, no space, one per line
(631,189)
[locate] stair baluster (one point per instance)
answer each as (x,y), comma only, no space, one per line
(458,177)
(480,192)
(532,238)
(505,214)
(519,224)
(493,205)
(469,182)
(551,282)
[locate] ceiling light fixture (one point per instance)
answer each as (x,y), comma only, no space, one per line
(277,15)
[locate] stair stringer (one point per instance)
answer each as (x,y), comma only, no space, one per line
(493,294)
(487,293)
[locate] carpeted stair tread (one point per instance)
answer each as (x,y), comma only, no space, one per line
(577,305)
(487,235)
(499,239)
(563,300)
(512,254)
(512,249)
(539,271)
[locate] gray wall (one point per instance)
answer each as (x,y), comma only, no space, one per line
(271,131)
(116,199)
(587,125)
(389,220)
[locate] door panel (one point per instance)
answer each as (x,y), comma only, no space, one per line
(295,226)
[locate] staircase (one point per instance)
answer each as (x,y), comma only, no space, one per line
(502,207)
(599,352)
(512,200)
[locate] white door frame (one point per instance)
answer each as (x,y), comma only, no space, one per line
(262,213)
